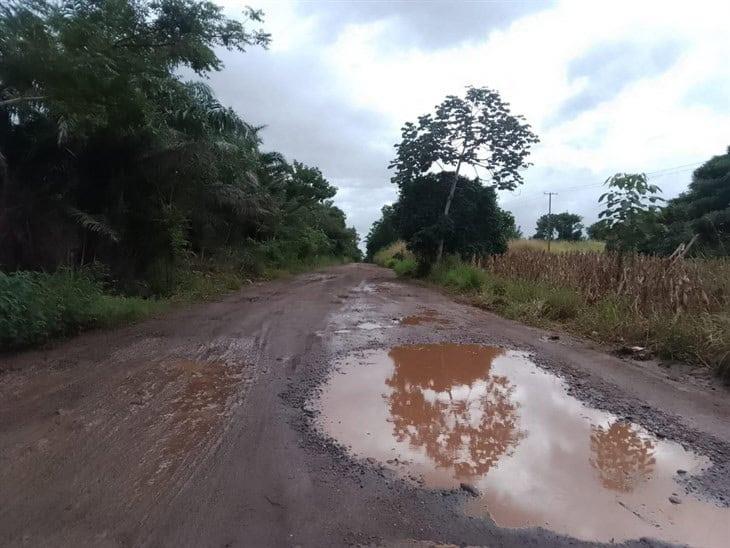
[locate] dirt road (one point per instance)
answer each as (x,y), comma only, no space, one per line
(267,419)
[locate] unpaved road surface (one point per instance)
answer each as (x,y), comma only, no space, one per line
(229,424)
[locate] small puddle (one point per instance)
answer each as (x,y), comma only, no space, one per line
(372,326)
(448,414)
(428,316)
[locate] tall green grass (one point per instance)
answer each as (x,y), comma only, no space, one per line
(35,307)
(459,276)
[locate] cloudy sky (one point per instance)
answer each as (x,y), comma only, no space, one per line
(613,86)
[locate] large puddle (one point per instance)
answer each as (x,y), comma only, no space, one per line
(448,414)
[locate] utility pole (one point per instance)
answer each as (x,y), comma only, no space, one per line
(550,216)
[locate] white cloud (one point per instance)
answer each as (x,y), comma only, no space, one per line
(665,117)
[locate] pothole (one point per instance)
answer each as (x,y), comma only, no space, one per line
(488,418)
(427,316)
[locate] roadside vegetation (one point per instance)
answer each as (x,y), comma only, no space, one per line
(653,274)
(679,311)
(124,186)
(558,246)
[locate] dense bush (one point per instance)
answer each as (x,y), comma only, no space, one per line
(702,213)
(35,306)
(107,155)
(475,226)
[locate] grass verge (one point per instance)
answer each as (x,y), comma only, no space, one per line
(36,307)
(700,338)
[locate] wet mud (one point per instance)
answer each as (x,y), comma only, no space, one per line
(201,428)
(427,316)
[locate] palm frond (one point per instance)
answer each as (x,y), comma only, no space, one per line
(97,224)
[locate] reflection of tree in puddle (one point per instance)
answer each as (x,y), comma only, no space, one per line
(445,400)
(622,457)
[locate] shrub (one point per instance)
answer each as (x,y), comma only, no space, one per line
(406,267)
(561,304)
(388,255)
(457,275)
(35,307)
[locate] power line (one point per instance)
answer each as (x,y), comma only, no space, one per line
(650,175)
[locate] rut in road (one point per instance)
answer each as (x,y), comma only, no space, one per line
(202,428)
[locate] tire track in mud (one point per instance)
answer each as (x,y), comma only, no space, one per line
(173,432)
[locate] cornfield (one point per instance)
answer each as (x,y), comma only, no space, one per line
(652,284)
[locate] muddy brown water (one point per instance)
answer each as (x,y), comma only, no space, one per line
(447,414)
(426,316)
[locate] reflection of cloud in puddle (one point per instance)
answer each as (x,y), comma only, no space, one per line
(371,326)
(539,456)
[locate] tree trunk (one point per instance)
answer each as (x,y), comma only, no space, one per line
(447,207)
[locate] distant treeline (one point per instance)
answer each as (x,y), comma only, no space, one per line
(698,218)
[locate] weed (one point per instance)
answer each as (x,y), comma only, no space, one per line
(35,307)
(405,267)
(459,276)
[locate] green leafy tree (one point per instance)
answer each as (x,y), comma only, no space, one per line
(476,226)
(476,131)
(630,204)
(107,155)
(560,226)
(700,215)
(383,232)
(598,230)
(509,226)
(90,64)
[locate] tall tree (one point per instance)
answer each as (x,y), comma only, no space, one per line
(700,215)
(476,131)
(630,202)
(383,232)
(476,227)
(561,226)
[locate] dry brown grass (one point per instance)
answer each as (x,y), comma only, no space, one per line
(679,309)
(557,246)
(652,284)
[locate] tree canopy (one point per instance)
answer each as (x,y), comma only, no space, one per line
(106,154)
(701,213)
(559,226)
(383,232)
(598,230)
(630,203)
(476,227)
(477,131)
